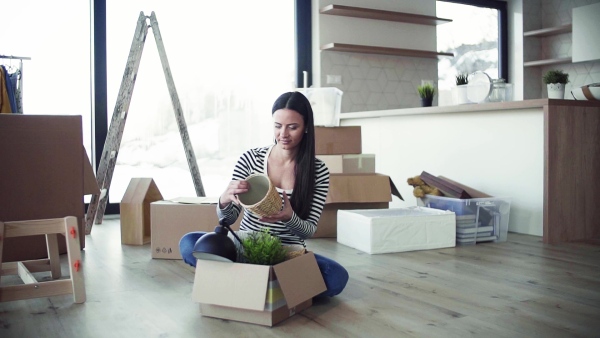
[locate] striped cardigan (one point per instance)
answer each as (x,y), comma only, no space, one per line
(296,229)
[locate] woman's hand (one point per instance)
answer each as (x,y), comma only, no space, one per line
(230,194)
(284,215)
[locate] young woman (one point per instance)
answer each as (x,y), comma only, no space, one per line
(301,179)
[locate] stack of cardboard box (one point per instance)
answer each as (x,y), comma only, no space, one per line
(354,183)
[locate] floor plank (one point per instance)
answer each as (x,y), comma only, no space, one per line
(520,288)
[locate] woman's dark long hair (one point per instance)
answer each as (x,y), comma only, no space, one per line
(304,185)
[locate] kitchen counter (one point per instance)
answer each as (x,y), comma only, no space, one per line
(543,154)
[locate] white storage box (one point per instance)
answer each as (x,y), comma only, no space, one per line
(326,104)
(477,219)
(396,230)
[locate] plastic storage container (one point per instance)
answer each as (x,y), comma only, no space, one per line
(477,219)
(326,104)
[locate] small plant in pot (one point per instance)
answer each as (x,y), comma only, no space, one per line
(460,92)
(462,79)
(555,81)
(426,92)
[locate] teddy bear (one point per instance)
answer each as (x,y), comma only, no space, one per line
(421,188)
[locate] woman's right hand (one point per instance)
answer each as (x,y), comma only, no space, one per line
(230,194)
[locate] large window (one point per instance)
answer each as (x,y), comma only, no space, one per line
(476,36)
(55,76)
(229,61)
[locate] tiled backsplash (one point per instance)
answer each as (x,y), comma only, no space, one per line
(377,82)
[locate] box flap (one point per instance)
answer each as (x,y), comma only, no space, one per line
(300,279)
(196,200)
(359,188)
(231,284)
(395,190)
(90,184)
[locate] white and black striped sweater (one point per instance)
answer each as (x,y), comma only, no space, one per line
(296,229)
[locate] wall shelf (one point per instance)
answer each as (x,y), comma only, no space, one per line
(377,14)
(547,62)
(549,31)
(344,47)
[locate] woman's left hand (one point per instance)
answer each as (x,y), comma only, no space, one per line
(284,215)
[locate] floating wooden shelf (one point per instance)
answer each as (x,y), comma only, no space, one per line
(377,14)
(549,31)
(547,62)
(344,47)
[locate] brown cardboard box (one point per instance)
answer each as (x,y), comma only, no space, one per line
(135,210)
(42,172)
(349,163)
(245,292)
(338,140)
(172,219)
(354,191)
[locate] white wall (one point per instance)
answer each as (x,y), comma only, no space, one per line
(499,153)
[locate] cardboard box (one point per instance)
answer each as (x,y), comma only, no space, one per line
(349,163)
(170,220)
(242,292)
(338,140)
(396,230)
(135,210)
(354,191)
(43,169)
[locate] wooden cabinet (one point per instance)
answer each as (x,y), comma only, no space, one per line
(376,14)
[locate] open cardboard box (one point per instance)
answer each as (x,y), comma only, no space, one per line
(258,294)
(354,191)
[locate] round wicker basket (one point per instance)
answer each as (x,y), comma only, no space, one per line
(294,251)
(262,198)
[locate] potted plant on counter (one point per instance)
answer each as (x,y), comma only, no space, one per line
(460,92)
(555,81)
(426,92)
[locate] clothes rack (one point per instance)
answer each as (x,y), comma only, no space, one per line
(16,90)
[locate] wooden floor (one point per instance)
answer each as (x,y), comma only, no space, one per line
(520,288)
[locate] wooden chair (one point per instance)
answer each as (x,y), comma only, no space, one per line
(31,287)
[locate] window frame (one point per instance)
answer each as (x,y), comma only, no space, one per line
(99,108)
(501,6)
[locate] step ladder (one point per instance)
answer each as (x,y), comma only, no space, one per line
(97,206)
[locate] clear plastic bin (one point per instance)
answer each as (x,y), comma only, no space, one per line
(477,219)
(326,104)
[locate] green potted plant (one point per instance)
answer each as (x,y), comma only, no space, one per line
(460,92)
(555,81)
(262,248)
(426,92)
(462,79)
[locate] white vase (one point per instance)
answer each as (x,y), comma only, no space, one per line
(460,94)
(556,91)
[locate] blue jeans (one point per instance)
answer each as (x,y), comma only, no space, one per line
(334,275)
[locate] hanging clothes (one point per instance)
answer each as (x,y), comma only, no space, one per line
(11,87)
(15,80)
(5,106)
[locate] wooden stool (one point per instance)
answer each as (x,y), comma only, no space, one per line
(32,288)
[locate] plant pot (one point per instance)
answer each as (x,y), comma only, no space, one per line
(556,91)
(460,94)
(426,102)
